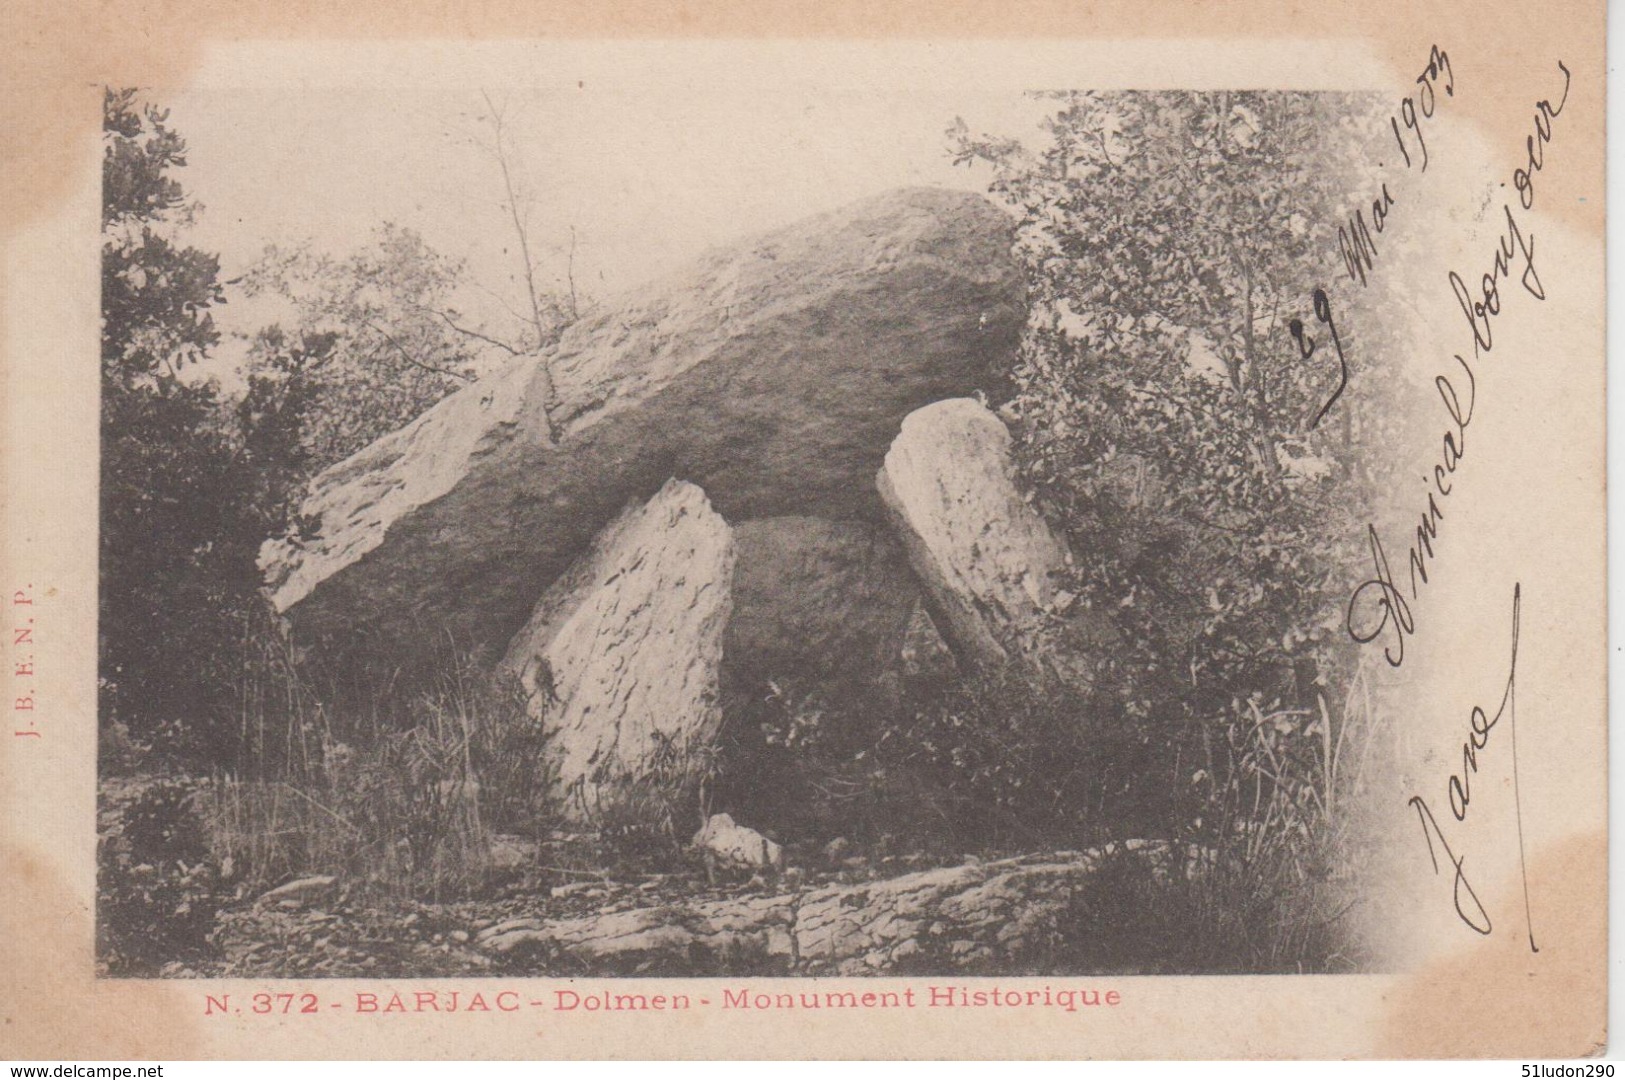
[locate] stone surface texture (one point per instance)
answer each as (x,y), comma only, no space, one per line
(814,599)
(970,916)
(620,657)
(986,558)
(728,844)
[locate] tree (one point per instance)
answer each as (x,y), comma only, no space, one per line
(275,415)
(183,508)
(155,295)
(550,313)
(1167,416)
(393,342)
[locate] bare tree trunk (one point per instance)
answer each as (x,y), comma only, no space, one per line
(550,398)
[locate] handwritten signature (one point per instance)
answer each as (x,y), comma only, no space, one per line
(1469,908)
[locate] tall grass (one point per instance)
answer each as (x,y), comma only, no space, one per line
(402,809)
(1283,861)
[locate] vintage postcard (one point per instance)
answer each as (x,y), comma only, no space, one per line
(885,531)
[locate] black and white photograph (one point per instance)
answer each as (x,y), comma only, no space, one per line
(945,579)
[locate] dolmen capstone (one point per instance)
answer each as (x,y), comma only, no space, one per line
(768,464)
(773,374)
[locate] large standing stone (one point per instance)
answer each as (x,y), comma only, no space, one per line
(773,373)
(986,558)
(620,657)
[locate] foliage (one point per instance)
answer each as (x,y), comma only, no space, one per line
(156,294)
(642,820)
(277,412)
(1026,761)
(183,507)
(379,337)
(157,888)
(1166,415)
(1211,478)
(407,810)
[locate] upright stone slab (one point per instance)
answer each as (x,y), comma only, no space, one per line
(773,373)
(620,657)
(986,558)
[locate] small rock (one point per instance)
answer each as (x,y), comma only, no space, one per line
(732,845)
(301,891)
(511,852)
(459,936)
(836,849)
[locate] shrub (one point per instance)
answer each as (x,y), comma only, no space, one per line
(1024,759)
(157,888)
(1212,484)
(644,821)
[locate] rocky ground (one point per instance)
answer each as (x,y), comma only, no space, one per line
(858,920)
(833,910)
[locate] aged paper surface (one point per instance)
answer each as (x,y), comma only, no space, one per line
(1214,669)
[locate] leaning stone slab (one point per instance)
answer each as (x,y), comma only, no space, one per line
(620,657)
(987,559)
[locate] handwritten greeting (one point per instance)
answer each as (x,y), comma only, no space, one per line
(1380,608)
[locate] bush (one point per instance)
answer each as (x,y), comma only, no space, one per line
(1212,484)
(157,887)
(1022,759)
